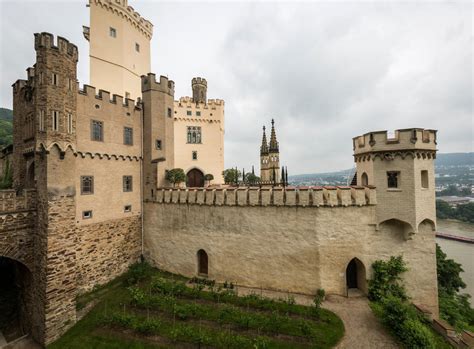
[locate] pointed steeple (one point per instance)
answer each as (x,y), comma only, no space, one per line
(264,146)
(273,140)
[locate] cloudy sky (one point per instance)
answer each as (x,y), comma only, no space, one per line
(325,71)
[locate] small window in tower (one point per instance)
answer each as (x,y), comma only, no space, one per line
(113,32)
(69,123)
(127,183)
(170,112)
(128,136)
(41,81)
(55,79)
(189,113)
(198,113)
(87,214)
(158,144)
(69,84)
(127,208)
(393,179)
(41,120)
(55,121)
(87,185)
(195,155)
(137,47)
(97,131)
(424,179)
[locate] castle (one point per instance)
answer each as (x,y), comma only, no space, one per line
(90,195)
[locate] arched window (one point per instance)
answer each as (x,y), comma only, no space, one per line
(202,262)
(365,179)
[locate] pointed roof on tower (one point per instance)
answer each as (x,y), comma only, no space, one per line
(264,146)
(273,140)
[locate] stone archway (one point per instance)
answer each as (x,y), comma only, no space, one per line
(356,277)
(203,263)
(195,178)
(16,299)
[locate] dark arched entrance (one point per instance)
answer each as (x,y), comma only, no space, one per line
(365,179)
(30,176)
(203,263)
(15,299)
(355,276)
(195,178)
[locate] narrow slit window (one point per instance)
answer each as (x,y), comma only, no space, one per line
(424,179)
(127,183)
(87,185)
(55,79)
(55,121)
(158,144)
(97,132)
(113,32)
(128,136)
(69,123)
(41,120)
(137,47)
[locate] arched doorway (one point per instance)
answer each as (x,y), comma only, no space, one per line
(355,276)
(15,299)
(195,178)
(203,263)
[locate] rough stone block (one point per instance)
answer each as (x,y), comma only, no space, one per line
(230,197)
(290,197)
(303,196)
(254,194)
(266,195)
(167,196)
(192,196)
(200,196)
(209,196)
(242,196)
(219,197)
(344,195)
(183,196)
(175,196)
(159,195)
(358,195)
(278,197)
(318,198)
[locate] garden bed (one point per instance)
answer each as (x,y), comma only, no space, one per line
(147,308)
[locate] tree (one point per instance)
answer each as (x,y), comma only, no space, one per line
(208,177)
(175,176)
(251,178)
(448,273)
(6,180)
(231,175)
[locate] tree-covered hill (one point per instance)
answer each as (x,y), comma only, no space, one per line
(6,127)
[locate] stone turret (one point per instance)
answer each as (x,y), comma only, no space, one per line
(401,167)
(274,156)
(264,157)
(199,86)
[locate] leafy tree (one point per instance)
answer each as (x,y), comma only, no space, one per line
(444,210)
(208,177)
(448,273)
(251,178)
(231,175)
(386,279)
(175,176)
(6,180)
(465,212)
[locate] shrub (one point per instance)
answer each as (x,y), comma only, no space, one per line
(386,278)
(138,272)
(175,176)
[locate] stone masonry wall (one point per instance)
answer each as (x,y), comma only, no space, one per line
(106,249)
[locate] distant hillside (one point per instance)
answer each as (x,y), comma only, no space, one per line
(6,127)
(455,159)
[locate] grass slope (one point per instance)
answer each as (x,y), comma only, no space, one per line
(147,308)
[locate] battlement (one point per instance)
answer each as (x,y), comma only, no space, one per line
(11,202)
(121,8)
(254,196)
(199,80)
(103,95)
(404,139)
(188,102)
(164,85)
(46,40)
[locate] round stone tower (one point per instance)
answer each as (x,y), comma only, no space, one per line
(199,86)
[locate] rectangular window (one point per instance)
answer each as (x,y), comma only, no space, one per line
(127,208)
(41,120)
(393,179)
(198,113)
(195,155)
(55,120)
(169,112)
(158,144)
(127,183)
(97,132)
(69,123)
(113,32)
(194,134)
(55,79)
(69,84)
(189,113)
(137,47)
(86,214)
(87,185)
(424,179)
(128,136)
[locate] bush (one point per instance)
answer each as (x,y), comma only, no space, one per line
(175,176)
(385,281)
(138,272)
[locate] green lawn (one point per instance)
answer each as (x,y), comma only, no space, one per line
(148,308)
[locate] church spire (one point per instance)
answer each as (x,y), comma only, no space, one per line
(264,146)
(273,140)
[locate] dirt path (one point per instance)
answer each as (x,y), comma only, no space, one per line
(363,330)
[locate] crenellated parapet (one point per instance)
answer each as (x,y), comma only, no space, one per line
(163,85)
(102,95)
(121,9)
(11,202)
(329,196)
(46,41)
(414,142)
